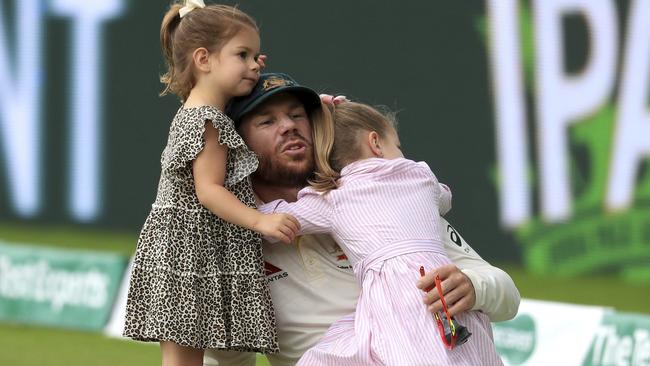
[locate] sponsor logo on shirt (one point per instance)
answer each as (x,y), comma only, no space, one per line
(455,238)
(340,258)
(273,273)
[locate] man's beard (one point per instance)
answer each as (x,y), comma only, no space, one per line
(274,172)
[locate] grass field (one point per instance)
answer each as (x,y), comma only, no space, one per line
(22,345)
(32,346)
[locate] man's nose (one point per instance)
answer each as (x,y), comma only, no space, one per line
(287,124)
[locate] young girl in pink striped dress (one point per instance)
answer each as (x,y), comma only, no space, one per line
(384,211)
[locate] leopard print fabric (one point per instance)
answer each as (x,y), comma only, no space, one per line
(197,280)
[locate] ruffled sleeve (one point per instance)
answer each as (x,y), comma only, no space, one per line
(186,141)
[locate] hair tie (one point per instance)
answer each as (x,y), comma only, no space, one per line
(333,101)
(191,5)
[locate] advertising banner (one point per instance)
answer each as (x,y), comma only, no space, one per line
(570,95)
(53,287)
(550,333)
(621,339)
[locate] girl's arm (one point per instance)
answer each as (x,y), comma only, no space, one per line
(209,170)
(312,210)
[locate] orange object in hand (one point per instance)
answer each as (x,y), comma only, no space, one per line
(451,332)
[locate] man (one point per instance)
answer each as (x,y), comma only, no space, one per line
(311,281)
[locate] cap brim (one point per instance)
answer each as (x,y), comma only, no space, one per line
(307,96)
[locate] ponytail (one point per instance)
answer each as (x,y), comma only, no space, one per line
(167,28)
(325,177)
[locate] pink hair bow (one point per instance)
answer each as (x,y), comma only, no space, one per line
(333,100)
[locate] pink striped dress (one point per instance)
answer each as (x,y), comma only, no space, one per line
(385,217)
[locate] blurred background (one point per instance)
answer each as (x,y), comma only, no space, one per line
(534,112)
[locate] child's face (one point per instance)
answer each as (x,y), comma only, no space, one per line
(236,70)
(390,145)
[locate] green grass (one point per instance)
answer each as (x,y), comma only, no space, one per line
(70,238)
(55,347)
(32,346)
(25,345)
(599,290)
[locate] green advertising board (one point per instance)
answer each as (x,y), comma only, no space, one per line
(53,287)
(622,339)
(550,333)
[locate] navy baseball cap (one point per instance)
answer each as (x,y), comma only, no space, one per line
(267,86)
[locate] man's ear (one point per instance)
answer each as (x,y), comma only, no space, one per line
(374,143)
(201,59)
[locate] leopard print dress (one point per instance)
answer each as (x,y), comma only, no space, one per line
(197,280)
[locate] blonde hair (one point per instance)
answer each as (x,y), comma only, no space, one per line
(336,139)
(210,27)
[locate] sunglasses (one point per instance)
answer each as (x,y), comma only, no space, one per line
(451,332)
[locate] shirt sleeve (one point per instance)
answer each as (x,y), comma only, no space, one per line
(444,200)
(444,205)
(313,210)
(496,293)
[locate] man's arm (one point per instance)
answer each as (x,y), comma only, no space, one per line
(471,283)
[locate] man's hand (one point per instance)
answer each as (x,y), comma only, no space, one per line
(456,287)
(279,226)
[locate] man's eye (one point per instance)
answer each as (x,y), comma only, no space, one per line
(265,122)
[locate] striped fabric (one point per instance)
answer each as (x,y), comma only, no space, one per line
(385,217)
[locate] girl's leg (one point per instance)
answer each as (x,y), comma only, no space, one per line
(176,355)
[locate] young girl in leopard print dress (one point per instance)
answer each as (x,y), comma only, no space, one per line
(198,277)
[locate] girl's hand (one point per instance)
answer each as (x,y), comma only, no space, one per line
(456,286)
(280,226)
(261,60)
(333,100)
